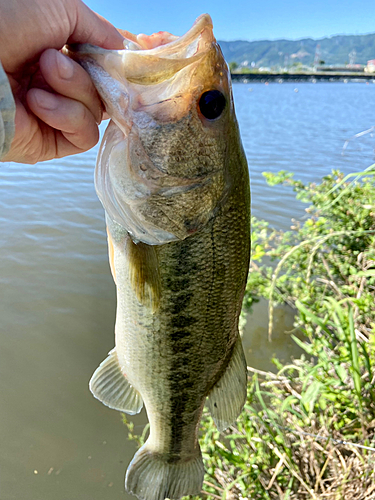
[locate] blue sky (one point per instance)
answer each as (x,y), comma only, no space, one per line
(244,20)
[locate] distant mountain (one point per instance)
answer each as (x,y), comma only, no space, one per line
(335,50)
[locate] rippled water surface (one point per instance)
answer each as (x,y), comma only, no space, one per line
(57,304)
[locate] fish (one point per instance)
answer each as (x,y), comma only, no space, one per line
(173,179)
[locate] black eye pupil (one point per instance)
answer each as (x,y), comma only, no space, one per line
(212,104)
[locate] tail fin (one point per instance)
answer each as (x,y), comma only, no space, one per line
(151,477)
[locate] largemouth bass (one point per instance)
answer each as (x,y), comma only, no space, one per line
(173,179)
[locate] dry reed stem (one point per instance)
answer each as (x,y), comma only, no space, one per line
(276,471)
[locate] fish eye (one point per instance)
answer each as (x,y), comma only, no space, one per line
(212,104)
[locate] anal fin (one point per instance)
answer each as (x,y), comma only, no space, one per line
(228,396)
(110,386)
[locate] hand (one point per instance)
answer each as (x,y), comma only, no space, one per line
(57,107)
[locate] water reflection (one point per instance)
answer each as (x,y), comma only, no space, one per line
(259,350)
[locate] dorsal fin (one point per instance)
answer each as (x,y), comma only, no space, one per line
(228,396)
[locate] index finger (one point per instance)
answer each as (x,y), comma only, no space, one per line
(68,78)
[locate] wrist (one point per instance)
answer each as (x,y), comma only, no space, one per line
(7,114)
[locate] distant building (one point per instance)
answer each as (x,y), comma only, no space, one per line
(370,68)
(358,67)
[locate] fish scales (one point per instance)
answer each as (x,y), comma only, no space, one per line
(201,280)
(173,179)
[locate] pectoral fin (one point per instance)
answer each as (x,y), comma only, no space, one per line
(228,396)
(110,386)
(111,255)
(144,273)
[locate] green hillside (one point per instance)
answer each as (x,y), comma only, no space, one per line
(334,50)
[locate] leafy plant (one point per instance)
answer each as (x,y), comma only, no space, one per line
(331,255)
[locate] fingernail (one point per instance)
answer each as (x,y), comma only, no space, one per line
(46,100)
(64,66)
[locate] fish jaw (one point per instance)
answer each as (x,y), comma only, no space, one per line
(162,168)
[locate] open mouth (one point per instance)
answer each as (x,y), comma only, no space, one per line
(167,45)
(149,59)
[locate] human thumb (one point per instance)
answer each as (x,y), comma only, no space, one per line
(90,27)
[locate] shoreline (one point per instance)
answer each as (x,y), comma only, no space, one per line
(303,77)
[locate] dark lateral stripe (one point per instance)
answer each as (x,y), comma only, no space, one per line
(181,321)
(183,301)
(181,379)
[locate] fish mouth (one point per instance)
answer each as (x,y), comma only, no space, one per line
(141,65)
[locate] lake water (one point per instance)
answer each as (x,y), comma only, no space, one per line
(57,304)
